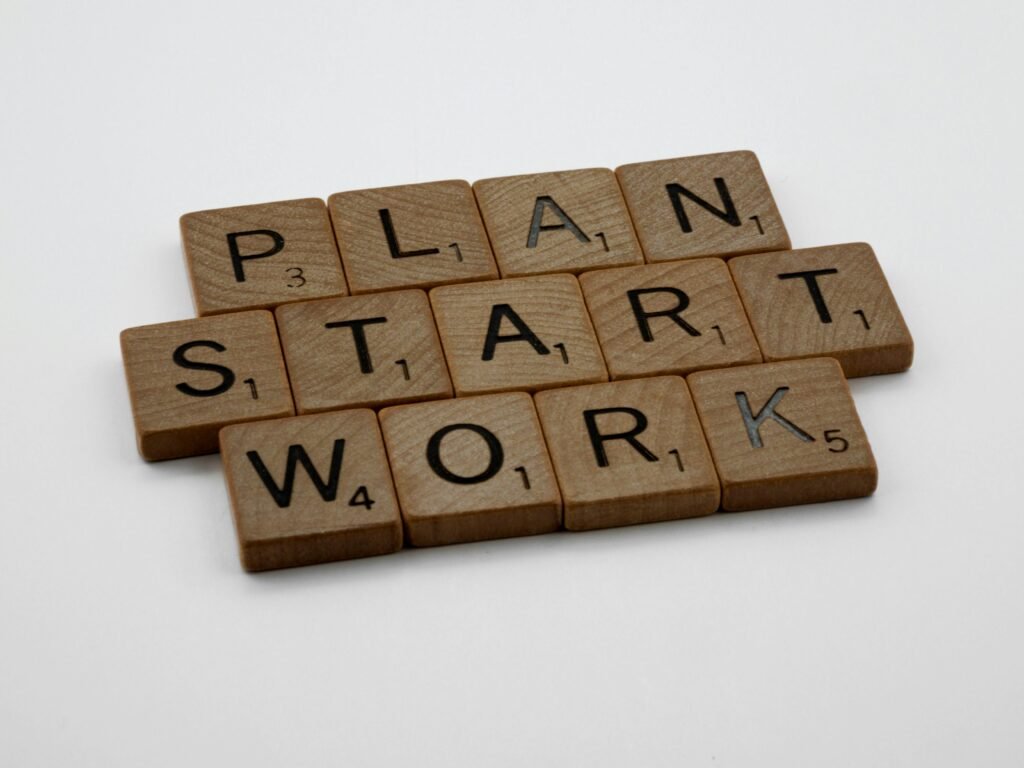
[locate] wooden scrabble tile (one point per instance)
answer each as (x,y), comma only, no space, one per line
(371,350)
(187,379)
(708,205)
(783,433)
(259,256)
(628,452)
(831,301)
(528,333)
(310,489)
(677,317)
(565,221)
(411,236)
(470,469)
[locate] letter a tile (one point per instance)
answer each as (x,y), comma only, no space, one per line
(471,468)
(411,236)
(708,205)
(260,256)
(783,433)
(831,301)
(527,333)
(564,221)
(310,489)
(189,378)
(628,452)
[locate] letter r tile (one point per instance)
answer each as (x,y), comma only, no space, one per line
(310,489)
(672,318)
(783,433)
(411,236)
(472,468)
(707,205)
(628,452)
(831,301)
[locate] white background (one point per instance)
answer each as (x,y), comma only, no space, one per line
(880,632)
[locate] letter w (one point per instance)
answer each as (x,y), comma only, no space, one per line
(297,455)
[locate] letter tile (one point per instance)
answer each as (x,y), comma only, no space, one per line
(471,468)
(783,433)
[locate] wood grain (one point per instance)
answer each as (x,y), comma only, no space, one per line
(800,440)
(425,219)
(831,301)
(706,327)
(228,369)
(666,474)
(471,490)
(562,221)
(551,311)
(305,265)
(387,353)
(320,515)
(652,192)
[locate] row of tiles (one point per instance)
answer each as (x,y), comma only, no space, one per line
(425,235)
(345,484)
(189,378)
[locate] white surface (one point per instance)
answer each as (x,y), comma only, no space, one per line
(879,632)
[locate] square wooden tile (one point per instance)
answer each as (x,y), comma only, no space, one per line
(707,205)
(528,333)
(189,378)
(371,350)
(259,256)
(831,301)
(411,236)
(564,221)
(628,452)
(677,317)
(310,489)
(784,433)
(470,469)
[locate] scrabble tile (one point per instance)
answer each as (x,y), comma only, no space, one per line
(677,317)
(259,256)
(565,221)
(371,350)
(708,205)
(832,301)
(783,433)
(628,452)
(310,489)
(528,333)
(187,379)
(470,469)
(411,236)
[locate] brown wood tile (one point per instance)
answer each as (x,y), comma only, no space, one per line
(628,452)
(310,489)
(260,256)
(707,205)
(371,350)
(564,221)
(411,236)
(470,469)
(831,301)
(528,333)
(783,433)
(187,379)
(677,317)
